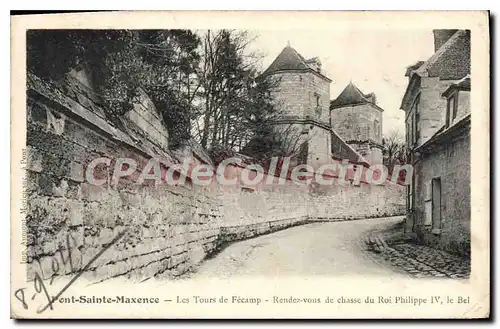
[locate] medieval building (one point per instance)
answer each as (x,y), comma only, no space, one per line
(304,94)
(357,118)
(349,127)
(437,111)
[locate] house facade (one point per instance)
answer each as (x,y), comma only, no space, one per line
(437,118)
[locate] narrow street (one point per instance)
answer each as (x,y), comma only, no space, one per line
(327,248)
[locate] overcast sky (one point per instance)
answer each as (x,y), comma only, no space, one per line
(375,60)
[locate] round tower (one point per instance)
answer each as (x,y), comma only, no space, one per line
(304,94)
(357,119)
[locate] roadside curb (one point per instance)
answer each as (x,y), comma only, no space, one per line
(375,242)
(400,256)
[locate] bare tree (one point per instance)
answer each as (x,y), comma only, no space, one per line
(226,75)
(394,151)
(279,140)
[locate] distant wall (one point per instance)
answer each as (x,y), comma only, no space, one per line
(362,201)
(169,228)
(250,205)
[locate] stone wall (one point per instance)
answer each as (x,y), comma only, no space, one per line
(291,94)
(316,85)
(168,229)
(148,120)
(319,149)
(338,202)
(296,92)
(357,126)
(432,107)
(273,199)
(306,95)
(451,163)
(356,123)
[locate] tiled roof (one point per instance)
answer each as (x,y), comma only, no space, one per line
(351,95)
(288,59)
(410,69)
(451,61)
(342,150)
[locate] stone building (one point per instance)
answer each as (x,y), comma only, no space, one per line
(304,93)
(357,118)
(437,112)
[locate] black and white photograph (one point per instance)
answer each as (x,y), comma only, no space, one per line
(159,157)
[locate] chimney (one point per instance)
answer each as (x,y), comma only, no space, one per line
(371,98)
(441,36)
(314,63)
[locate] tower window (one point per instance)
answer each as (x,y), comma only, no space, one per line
(318,104)
(316,95)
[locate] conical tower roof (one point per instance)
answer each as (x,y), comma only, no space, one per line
(351,95)
(288,59)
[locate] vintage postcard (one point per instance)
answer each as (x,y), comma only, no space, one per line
(271,165)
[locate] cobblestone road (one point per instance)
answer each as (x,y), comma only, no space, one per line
(418,260)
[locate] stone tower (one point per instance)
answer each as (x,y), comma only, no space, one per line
(304,94)
(357,118)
